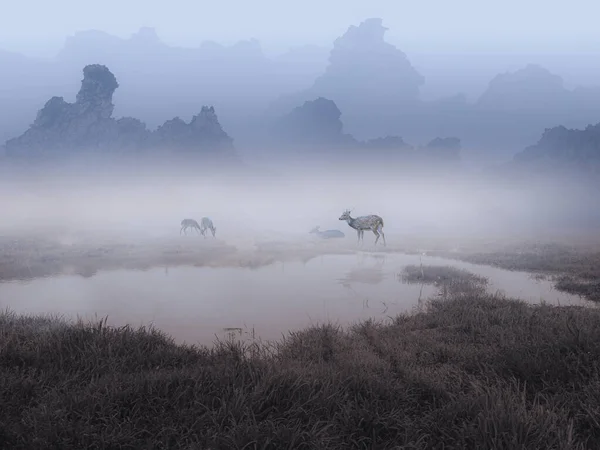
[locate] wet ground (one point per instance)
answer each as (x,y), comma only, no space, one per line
(195,304)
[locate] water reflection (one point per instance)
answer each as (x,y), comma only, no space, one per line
(198,303)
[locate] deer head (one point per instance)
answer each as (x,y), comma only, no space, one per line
(345,215)
(314,230)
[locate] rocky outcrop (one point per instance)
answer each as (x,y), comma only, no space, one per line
(63,128)
(316,126)
(443,149)
(561,157)
(531,88)
(365,73)
(203,131)
(562,147)
(363,66)
(85,124)
(316,123)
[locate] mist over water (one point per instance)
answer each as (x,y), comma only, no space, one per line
(158,171)
(287,200)
(82,204)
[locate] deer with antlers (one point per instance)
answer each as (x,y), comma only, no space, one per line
(362,223)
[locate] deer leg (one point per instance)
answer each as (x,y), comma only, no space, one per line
(382,235)
(197,232)
(358,234)
(376,235)
(180,231)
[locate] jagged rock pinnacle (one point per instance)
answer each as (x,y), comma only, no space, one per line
(87,125)
(97,88)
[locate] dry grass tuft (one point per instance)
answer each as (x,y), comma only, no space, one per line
(472,371)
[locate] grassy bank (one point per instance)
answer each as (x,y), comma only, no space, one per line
(572,263)
(473,371)
(574,268)
(441,275)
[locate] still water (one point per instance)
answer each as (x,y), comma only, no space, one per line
(197,304)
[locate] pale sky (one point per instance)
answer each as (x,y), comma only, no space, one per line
(39,27)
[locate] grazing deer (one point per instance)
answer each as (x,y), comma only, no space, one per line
(207,224)
(360,224)
(327,234)
(189,223)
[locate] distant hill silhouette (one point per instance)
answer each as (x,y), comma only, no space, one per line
(377,88)
(365,73)
(158,81)
(315,130)
(532,88)
(564,166)
(563,149)
(373,83)
(315,125)
(87,126)
(372,71)
(564,160)
(25,84)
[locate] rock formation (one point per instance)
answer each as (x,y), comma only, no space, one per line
(316,123)
(443,149)
(83,125)
(531,88)
(363,66)
(365,73)
(63,128)
(316,127)
(562,157)
(560,147)
(203,131)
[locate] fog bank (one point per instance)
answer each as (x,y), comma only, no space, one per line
(153,201)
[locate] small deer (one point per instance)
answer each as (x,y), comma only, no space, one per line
(327,234)
(207,224)
(189,223)
(360,224)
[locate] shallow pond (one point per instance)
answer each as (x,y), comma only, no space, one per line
(195,304)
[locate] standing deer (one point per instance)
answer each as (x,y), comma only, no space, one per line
(207,224)
(360,224)
(189,223)
(327,234)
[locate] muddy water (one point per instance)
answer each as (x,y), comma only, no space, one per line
(195,304)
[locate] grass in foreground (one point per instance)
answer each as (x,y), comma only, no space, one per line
(475,371)
(575,269)
(440,275)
